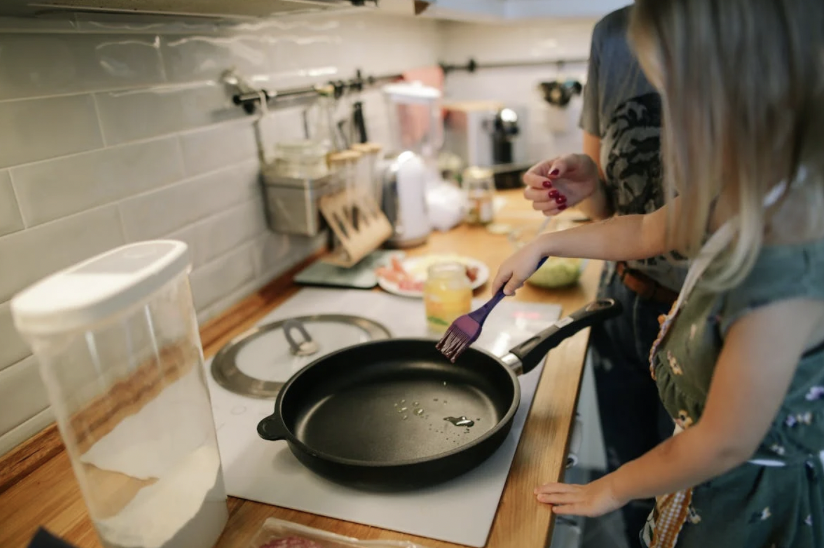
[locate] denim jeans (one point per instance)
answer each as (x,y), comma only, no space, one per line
(633,419)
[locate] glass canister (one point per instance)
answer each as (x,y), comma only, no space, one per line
(119,352)
(300,159)
(479,185)
(447,295)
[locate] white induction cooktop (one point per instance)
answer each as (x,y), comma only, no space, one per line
(459,511)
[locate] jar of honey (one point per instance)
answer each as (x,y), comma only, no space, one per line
(447,295)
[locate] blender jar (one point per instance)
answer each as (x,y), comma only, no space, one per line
(119,351)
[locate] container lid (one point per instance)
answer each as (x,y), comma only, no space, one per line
(98,288)
(475,173)
(259,362)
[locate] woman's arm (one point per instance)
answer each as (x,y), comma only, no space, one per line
(623,238)
(597,207)
(750,381)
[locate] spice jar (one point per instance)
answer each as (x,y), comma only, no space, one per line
(479,185)
(447,295)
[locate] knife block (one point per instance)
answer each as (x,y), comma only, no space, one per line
(357,237)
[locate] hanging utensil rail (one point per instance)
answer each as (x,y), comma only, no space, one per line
(472,65)
(250,99)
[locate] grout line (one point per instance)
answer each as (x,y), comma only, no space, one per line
(181,158)
(26,224)
(121,223)
(99,121)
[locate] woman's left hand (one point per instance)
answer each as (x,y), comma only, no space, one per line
(591,500)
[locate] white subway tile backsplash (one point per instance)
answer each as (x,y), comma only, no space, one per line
(143,23)
(171,208)
(140,114)
(222,233)
(274,254)
(60,63)
(210,149)
(57,188)
(19,434)
(222,276)
(38,129)
(13,348)
(114,129)
(29,255)
(22,393)
(191,58)
(10,219)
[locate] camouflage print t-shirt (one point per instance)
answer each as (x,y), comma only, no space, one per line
(624,110)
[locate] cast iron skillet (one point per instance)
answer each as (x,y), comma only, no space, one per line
(396,414)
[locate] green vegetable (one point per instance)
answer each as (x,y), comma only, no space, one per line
(556,272)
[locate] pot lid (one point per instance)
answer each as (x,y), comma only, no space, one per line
(259,362)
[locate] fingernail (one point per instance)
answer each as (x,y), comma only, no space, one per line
(555,172)
(560,199)
(554,194)
(562,207)
(547,184)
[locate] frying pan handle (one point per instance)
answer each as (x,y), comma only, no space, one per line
(532,351)
(272,428)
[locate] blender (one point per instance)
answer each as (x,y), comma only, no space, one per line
(411,163)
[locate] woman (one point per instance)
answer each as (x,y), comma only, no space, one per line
(622,126)
(739,361)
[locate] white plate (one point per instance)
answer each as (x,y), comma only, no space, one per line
(417,267)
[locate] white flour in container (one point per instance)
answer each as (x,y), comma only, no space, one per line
(186,508)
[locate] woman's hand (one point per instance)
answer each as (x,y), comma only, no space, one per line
(562,182)
(517,268)
(591,500)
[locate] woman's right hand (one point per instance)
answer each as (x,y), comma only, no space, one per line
(554,185)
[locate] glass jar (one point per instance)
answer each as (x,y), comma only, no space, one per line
(447,295)
(300,160)
(479,185)
(117,342)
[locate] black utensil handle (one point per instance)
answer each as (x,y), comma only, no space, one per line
(532,351)
(272,428)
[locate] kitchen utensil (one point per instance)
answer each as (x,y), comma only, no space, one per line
(404,183)
(560,92)
(355,219)
(466,130)
(369,416)
(258,362)
(465,330)
(120,356)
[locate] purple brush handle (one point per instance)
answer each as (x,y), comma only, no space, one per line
(481,314)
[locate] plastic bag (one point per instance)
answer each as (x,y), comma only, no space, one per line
(277,533)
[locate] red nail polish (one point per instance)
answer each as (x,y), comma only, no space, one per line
(547,184)
(560,200)
(555,172)
(562,207)
(554,194)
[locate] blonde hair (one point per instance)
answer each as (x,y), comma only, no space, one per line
(740,83)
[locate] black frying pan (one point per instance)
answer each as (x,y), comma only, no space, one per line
(396,414)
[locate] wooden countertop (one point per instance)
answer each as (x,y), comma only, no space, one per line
(38,488)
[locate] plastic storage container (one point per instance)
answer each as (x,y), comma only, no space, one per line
(447,295)
(119,352)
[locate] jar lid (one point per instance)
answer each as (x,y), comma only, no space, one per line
(260,361)
(300,149)
(475,173)
(99,288)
